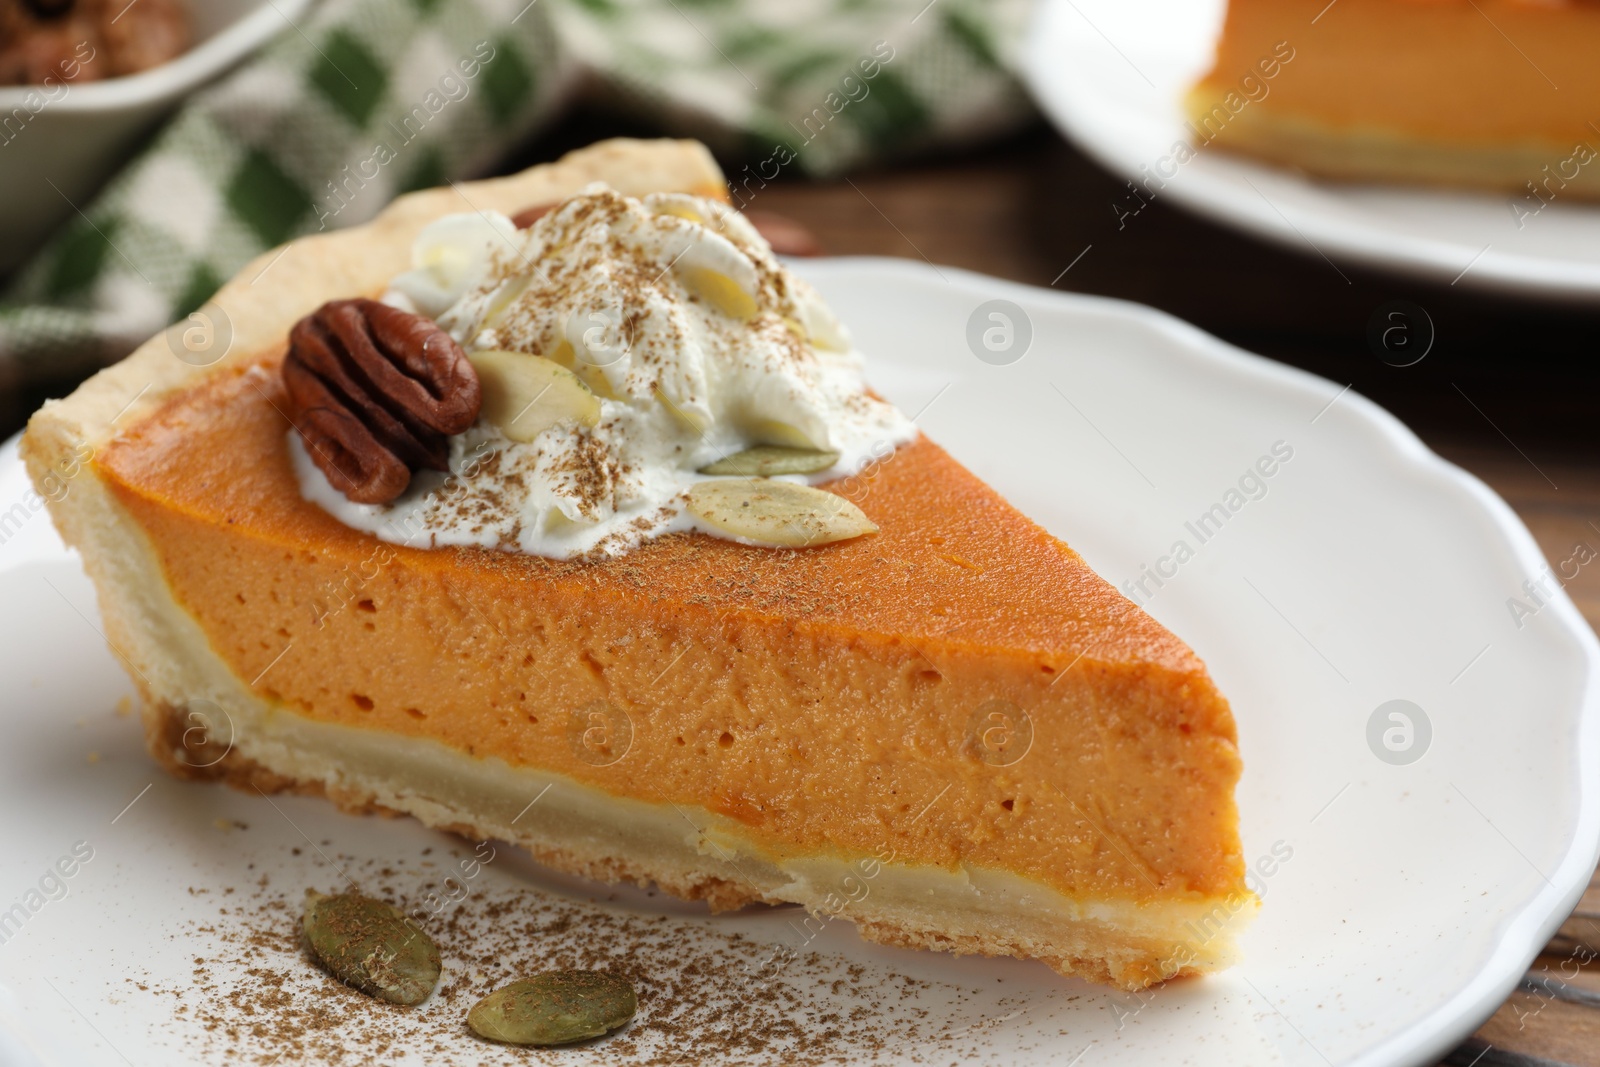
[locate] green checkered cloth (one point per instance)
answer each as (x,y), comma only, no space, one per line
(364,99)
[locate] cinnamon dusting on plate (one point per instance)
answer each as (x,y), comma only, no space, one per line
(254,996)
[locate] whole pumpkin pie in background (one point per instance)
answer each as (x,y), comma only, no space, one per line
(588,625)
(1497,94)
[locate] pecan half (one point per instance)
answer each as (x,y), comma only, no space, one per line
(375,393)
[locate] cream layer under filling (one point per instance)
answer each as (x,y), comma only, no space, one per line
(681,846)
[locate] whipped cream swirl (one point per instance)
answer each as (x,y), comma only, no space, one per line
(674,312)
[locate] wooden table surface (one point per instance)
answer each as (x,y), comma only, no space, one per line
(1510,390)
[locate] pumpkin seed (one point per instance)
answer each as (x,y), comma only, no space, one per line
(372,946)
(764,461)
(554,1009)
(782,514)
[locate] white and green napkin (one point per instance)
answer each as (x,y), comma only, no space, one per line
(363,99)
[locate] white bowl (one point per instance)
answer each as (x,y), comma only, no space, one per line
(55,161)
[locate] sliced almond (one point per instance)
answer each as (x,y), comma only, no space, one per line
(563,354)
(679,208)
(782,514)
(591,375)
(688,416)
(719,290)
(765,461)
(785,434)
(504,297)
(525,395)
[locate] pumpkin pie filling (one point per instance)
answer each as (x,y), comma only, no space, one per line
(950,731)
(1495,93)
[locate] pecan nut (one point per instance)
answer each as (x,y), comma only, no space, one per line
(376,393)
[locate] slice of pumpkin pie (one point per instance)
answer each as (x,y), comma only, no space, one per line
(1492,94)
(589,535)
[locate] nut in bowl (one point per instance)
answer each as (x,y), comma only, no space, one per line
(45,41)
(79,86)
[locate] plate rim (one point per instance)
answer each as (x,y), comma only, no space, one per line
(1362,242)
(1435,1031)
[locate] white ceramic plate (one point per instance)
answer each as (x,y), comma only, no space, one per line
(1112,73)
(1405,900)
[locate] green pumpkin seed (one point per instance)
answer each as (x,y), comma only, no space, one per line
(777,513)
(554,1009)
(765,461)
(372,946)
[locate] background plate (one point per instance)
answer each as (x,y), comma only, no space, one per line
(1112,73)
(1402,900)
